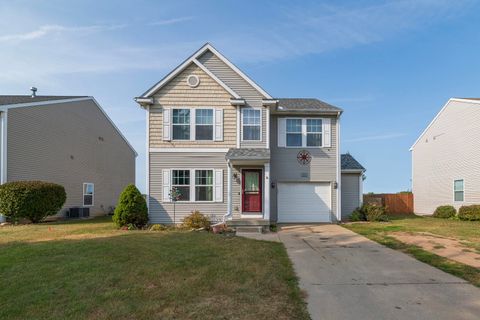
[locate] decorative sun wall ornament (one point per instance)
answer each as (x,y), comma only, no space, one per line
(304,157)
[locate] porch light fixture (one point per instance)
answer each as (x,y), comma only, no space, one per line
(335,185)
(235,175)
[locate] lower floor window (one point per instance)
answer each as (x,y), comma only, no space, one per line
(203,185)
(181,181)
(88,193)
(458,190)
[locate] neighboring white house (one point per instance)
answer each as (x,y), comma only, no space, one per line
(446,158)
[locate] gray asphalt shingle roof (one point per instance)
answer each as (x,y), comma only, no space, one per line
(305,104)
(16,99)
(248,154)
(350,163)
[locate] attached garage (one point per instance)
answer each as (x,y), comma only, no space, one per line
(304,202)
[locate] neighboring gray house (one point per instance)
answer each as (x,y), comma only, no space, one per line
(236,153)
(445,158)
(67,140)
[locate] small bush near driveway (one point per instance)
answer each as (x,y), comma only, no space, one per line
(131,209)
(369,212)
(33,200)
(471,213)
(445,212)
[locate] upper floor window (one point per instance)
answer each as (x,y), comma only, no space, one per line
(294,132)
(88,193)
(181,124)
(181,181)
(314,132)
(458,190)
(204,124)
(251,124)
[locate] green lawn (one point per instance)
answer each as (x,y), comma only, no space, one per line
(466,231)
(90,270)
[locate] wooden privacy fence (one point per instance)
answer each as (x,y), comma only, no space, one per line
(396,203)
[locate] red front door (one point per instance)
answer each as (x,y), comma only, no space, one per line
(252,190)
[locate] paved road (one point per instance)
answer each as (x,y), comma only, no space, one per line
(347,276)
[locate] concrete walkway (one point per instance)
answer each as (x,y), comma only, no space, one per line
(346,276)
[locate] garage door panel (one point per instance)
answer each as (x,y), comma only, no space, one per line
(304,202)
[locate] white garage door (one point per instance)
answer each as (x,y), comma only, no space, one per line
(304,202)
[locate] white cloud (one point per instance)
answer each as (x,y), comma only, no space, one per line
(170,21)
(377,137)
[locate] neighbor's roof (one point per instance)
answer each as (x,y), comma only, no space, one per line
(6,100)
(305,104)
(350,163)
(248,154)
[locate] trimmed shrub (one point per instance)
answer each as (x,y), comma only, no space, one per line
(470,213)
(445,212)
(131,209)
(369,212)
(196,220)
(33,200)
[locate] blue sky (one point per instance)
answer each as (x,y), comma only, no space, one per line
(391,65)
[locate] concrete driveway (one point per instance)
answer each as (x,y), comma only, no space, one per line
(346,276)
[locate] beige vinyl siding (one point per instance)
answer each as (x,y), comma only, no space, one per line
(449,150)
(286,168)
(162,212)
(252,97)
(60,143)
(208,94)
(350,193)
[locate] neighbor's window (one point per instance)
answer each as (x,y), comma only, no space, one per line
(251,124)
(294,132)
(204,185)
(204,124)
(181,124)
(88,193)
(181,181)
(458,190)
(314,132)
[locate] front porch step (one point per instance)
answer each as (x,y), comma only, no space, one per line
(249,229)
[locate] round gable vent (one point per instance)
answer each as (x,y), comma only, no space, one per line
(193,80)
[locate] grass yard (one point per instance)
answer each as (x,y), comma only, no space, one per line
(90,270)
(467,232)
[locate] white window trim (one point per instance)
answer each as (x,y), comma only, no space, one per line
(195,123)
(84,194)
(192,184)
(192,123)
(260,125)
(463,190)
(304,133)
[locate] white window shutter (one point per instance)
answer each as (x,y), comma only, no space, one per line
(218,185)
(192,125)
(167,124)
(327,132)
(282,132)
(166,185)
(218,124)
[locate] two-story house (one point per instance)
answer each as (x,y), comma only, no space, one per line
(234,152)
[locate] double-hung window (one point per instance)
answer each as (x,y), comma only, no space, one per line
(203,185)
(294,132)
(204,124)
(458,190)
(251,124)
(88,193)
(181,181)
(181,124)
(314,132)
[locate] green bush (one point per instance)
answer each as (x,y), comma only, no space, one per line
(33,200)
(445,212)
(131,208)
(471,213)
(369,212)
(196,220)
